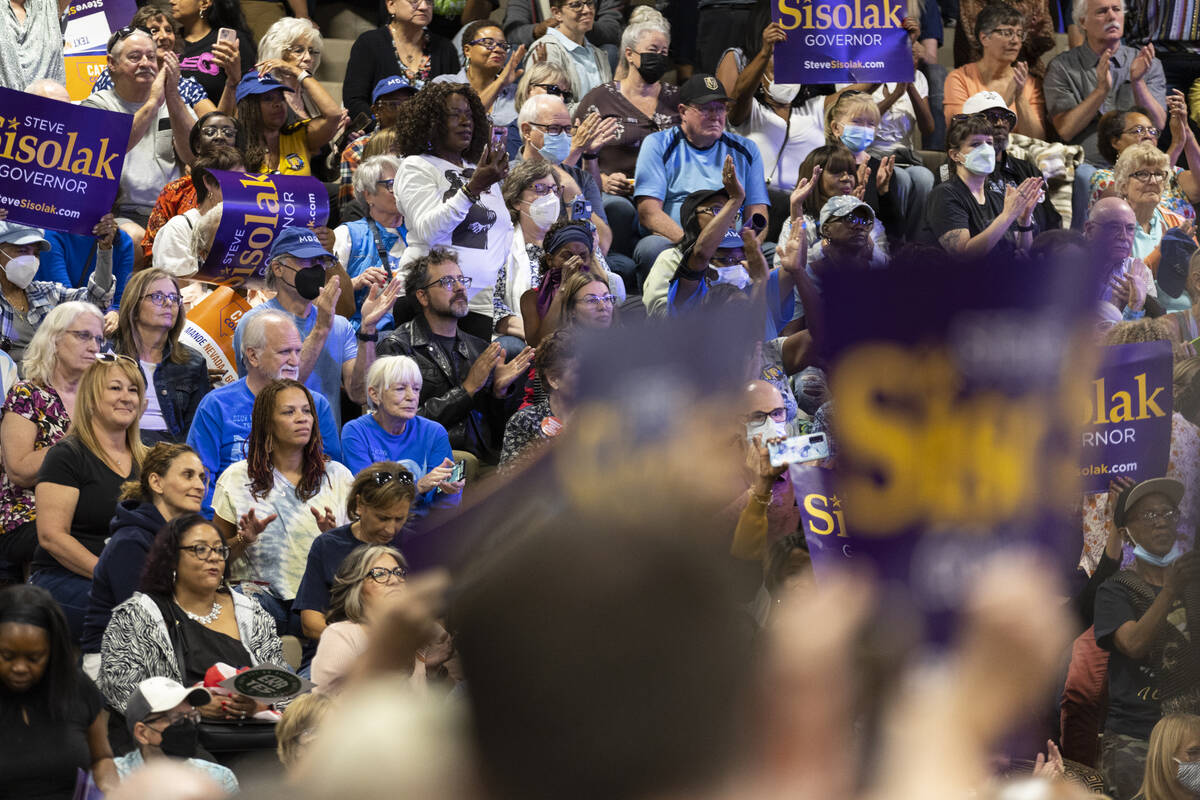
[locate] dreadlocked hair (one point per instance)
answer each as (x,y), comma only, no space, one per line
(259,466)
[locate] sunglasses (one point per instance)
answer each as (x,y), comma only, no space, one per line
(556,90)
(380,478)
(125,33)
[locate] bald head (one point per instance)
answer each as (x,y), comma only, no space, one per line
(1110,229)
(53,90)
(761,396)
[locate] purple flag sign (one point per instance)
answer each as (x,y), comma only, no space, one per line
(822,518)
(60,164)
(254,209)
(1127,427)
(957,427)
(842,41)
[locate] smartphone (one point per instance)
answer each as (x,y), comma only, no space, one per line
(797,449)
(581,208)
(499,136)
(226,35)
(456,474)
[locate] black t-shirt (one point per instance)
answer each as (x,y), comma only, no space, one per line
(196,61)
(38,760)
(1133,703)
(952,206)
(69,463)
(447,345)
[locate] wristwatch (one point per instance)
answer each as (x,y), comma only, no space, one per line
(303,75)
(367,337)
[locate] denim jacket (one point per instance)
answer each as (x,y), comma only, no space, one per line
(179,387)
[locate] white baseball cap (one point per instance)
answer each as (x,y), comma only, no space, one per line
(158,694)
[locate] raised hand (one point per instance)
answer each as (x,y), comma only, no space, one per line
(772,35)
(481,370)
(105,231)
(1104,74)
(793,252)
(250,526)
(1141,63)
(371,276)
(324,516)
(507,373)
(803,189)
(913,26)
(170,73)
(492,168)
(1020,75)
(1049,765)
(227,57)
(1122,290)
(326,302)
(510,74)
(883,174)
(378,303)
(862,176)
(729,179)
(756,262)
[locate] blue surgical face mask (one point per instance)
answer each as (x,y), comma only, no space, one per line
(1143,554)
(857,137)
(555,147)
(981,160)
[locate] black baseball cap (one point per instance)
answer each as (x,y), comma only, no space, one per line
(701,89)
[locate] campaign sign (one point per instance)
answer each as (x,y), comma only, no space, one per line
(267,683)
(822,518)
(842,41)
(957,428)
(254,209)
(1127,425)
(60,164)
(86,27)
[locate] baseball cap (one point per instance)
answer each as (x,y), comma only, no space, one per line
(392,83)
(1176,252)
(298,242)
(1170,487)
(988,101)
(841,205)
(252,83)
(12,233)
(158,694)
(701,89)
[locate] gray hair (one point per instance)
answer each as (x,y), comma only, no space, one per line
(1143,155)
(346,593)
(541,72)
(370,172)
(119,45)
(1079,11)
(634,31)
(539,102)
(518,180)
(287,32)
(254,329)
(388,371)
(41,355)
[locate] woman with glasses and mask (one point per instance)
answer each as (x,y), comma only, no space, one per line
(184,620)
(176,376)
(559,45)
(1118,130)
(379,505)
(371,247)
(80,480)
(274,504)
(1000,30)
(490,68)
(365,581)
(532,193)
(37,414)
(401,47)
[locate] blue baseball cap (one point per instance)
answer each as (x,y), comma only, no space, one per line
(392,83)
(251,83)
(298,242)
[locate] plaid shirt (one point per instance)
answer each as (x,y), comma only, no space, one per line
(351,158)
(45,295)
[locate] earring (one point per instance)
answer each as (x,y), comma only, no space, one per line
(173,573)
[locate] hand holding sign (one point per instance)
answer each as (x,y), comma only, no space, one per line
(772,35)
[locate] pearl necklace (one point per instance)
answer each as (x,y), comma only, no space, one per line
(208,618)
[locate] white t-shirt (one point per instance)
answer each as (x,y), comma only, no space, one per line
(151,164)
(152,418)
(805,132)
(438,214)
(173,245)
(898,126)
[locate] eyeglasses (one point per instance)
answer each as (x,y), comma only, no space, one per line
(716,109)
(775,415)
(554,130)
(382,574)
(580,5)
(998,116)
(173,717)
(212,130)
(491,44)
(1154,516)
(1148,176)
(389,105)
(556,90)
(299,50)
(599,300)
(161,299)
(387,184)
(87,336)
(726,261)
(860,220)
(1142,130)
(543,189)
(381,477)
(415,4)
(125,33)
(449,281)
(203,551)
(1012,34)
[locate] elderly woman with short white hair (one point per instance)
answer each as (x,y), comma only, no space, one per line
(370,248)
(393,431)
(296,41)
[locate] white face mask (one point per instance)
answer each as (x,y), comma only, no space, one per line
(544,211)
(783,93)
(20,270)
(1189,775)
(767,429)
(736,275)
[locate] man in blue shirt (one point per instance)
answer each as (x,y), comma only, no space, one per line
(330,356)
(674,163)
(271,349)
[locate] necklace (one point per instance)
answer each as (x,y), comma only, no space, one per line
(208,618)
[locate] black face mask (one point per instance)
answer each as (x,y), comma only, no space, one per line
(653,66)
(180,740)
(309,282)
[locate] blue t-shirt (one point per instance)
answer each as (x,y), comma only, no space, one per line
(340,347)
(222,426)
(71,260)
(327,553)
(670,169)
(422,446)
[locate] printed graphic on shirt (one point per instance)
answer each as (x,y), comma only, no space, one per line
(472,232)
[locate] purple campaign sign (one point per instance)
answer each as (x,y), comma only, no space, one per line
(60,164)
(254,209)
(1127,428)
(822,518)
(842,41)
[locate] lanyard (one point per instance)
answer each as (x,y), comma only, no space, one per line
(383,252)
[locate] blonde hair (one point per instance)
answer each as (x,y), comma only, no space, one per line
(302,715)
(1136,331)
(91,385)
(1169,732)
(1133,158)
(541,72)
(848,105)
(41,355)
(383,142)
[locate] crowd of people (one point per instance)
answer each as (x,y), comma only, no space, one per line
(506,181)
